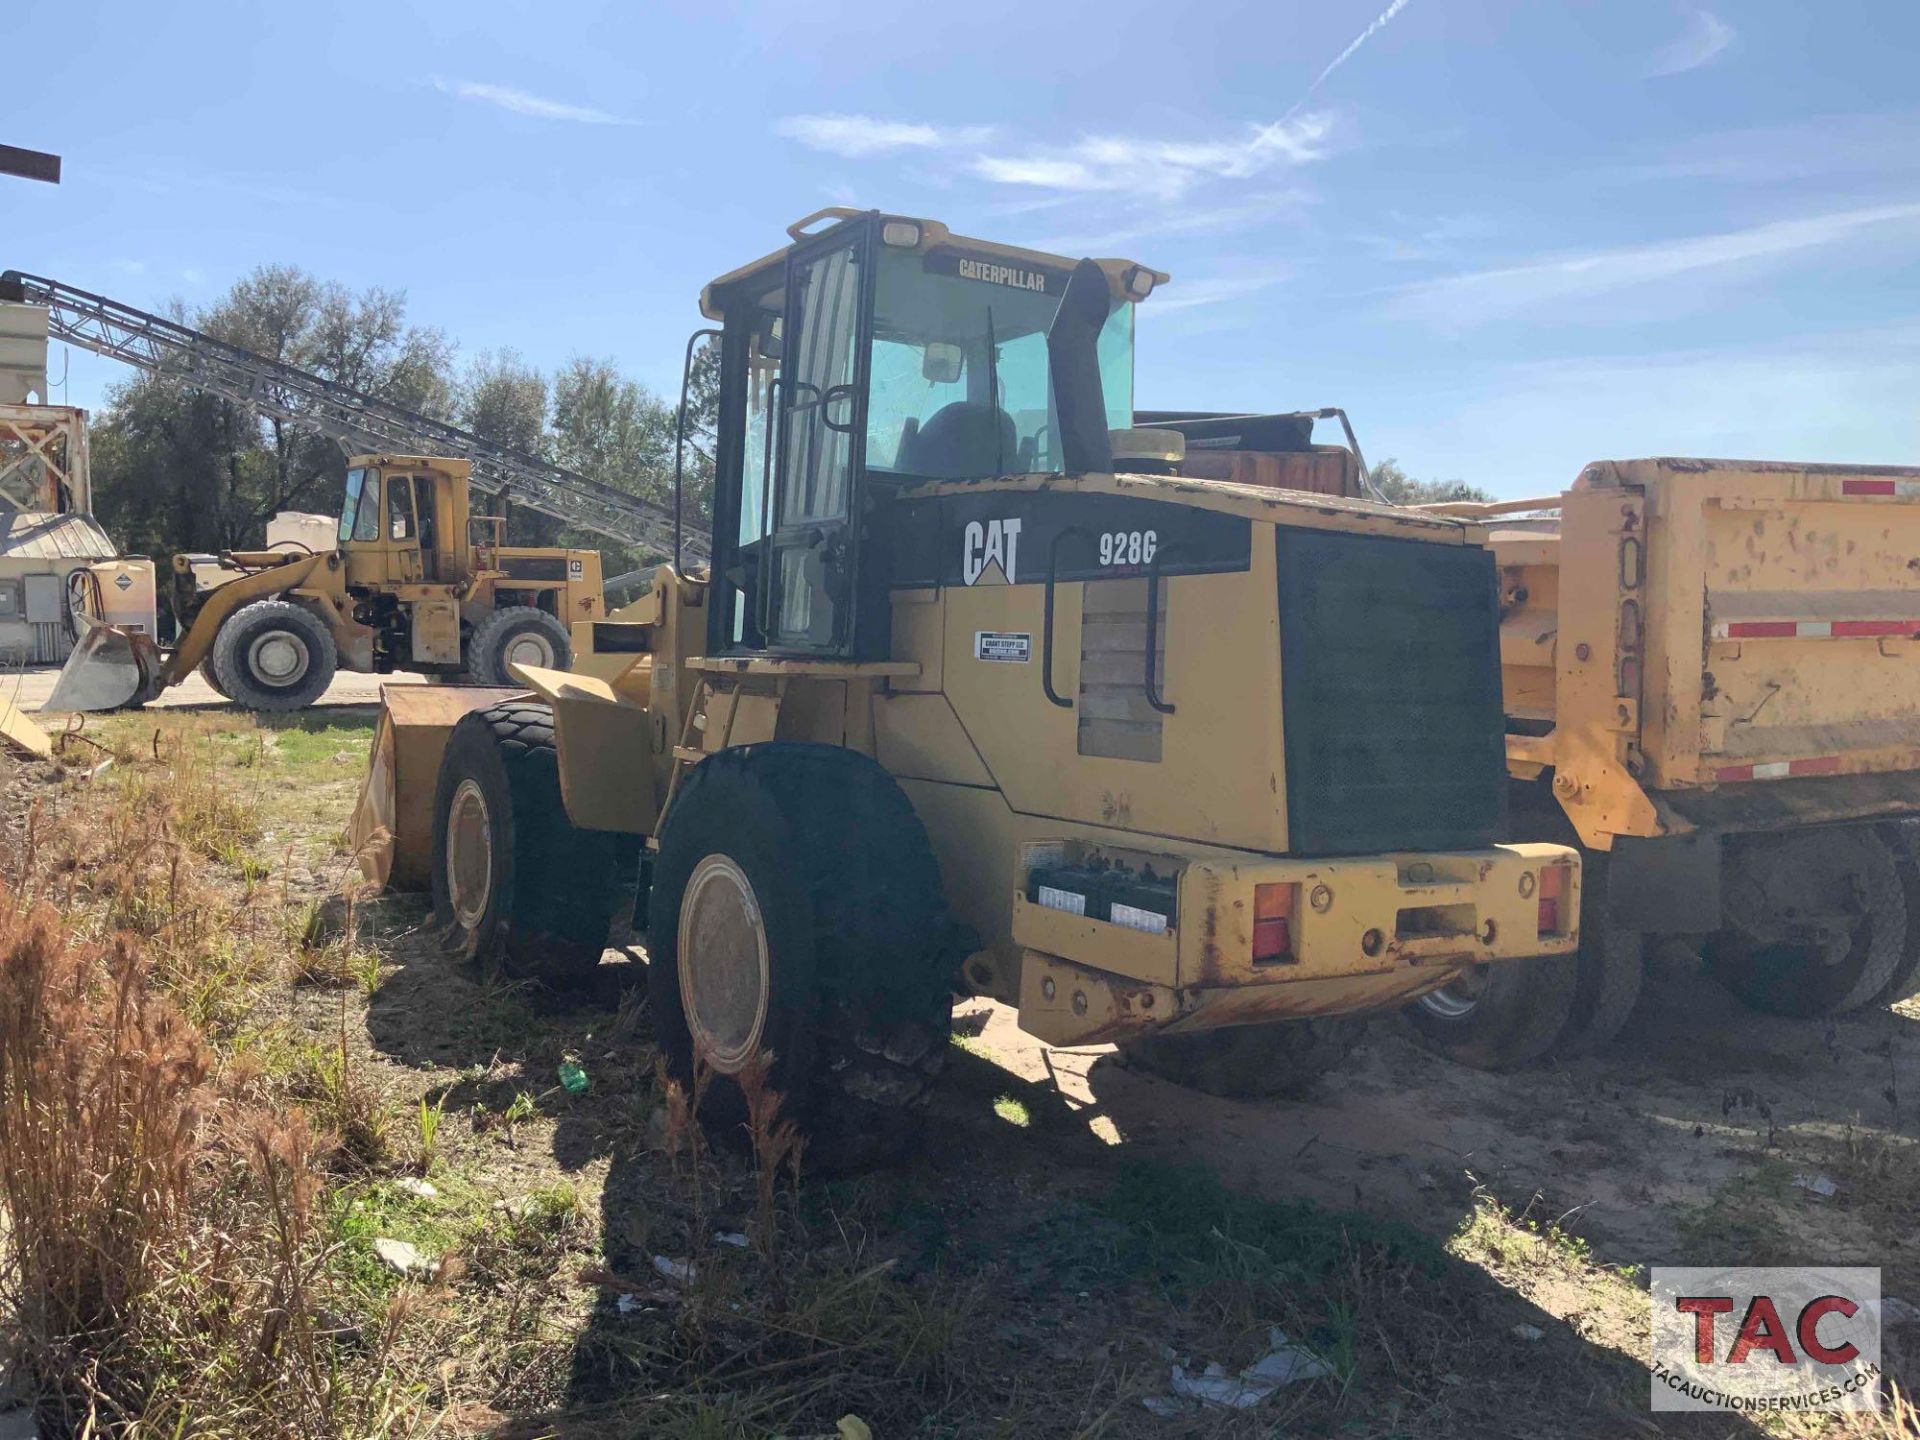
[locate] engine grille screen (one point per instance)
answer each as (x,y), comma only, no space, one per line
(1390,671)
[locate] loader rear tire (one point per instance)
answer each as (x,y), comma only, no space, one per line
(206,673)
(1852,868)
(514,883)
(1499,1016)
(795,921)
(516,633)
(273,655)
(1279,1061)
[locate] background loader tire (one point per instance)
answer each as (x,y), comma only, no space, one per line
(822,878)
(516,632)
(1282,1060)
(273,655)
(1505,1015)
(514,883)
(1793,979)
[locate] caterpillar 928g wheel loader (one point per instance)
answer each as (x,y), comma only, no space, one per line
(1202,768)
(415,583)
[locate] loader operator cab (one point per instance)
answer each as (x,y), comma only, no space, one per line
(395,519)
(879,352)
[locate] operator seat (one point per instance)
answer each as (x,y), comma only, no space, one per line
(962,441)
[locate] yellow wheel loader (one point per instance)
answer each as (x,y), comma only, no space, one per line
(1711,685)
(416,582)
(1201,768)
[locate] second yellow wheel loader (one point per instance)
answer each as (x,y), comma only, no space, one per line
(415,582)
(1203,769)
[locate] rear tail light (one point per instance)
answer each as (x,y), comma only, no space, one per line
(1553,897)
(1273,921)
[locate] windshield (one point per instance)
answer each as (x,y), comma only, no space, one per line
(960,384)
(356,482)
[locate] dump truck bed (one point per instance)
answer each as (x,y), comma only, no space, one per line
(1682,627)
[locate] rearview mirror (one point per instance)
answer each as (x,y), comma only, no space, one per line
(940,362)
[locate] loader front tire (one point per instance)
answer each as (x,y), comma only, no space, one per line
(273,655)
(797,941)
(514,883)
(1279,1061)
(516,634)
(1904,983)
(1499,1016)
(1610,971)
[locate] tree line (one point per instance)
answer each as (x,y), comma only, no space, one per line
(177,468)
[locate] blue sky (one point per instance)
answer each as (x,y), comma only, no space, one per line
(1509,236)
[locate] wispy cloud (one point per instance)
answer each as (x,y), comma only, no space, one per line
(1380,22)
(1705,37)
(520,102)
(1211,290)
(1824,145)
(858,136)
(1164,168)
(1134,224)
(1463,299)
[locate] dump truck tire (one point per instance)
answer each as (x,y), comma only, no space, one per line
(1283,1060)
(799,882)
(1792,875)
(1609,972)
(273,655)
(514,883)
(1502,1015)
(1904,983)
(516,633)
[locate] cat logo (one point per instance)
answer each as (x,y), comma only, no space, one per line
(991,552)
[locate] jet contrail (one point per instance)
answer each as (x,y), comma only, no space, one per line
(1345,55)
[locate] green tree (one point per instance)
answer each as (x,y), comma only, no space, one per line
(1399,488)
(177,468)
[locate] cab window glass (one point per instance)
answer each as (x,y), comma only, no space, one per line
(399,508)
(356,483)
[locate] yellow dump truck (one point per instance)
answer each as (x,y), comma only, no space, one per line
(1712,682)
(1195,767)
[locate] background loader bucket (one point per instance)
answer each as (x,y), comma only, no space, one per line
(111,667)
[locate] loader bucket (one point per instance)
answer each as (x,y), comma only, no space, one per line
(111,667)
(391,831)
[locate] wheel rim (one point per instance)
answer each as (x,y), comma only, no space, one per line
(1459,997)
(725,976)
(469,854)
(278,657)
(532,648)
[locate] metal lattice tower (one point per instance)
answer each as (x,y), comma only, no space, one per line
(360,422)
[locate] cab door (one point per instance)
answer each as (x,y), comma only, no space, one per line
(822,396)
(400,532)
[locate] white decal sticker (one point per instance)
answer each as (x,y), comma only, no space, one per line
(1001,645)
(576,567)
(996,542)
(1151,921)
(1068,900)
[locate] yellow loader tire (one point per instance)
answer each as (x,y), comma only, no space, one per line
(515,885)
(1499,1016)
(1283,1060)
(795,922)
(519,633)
(273,655)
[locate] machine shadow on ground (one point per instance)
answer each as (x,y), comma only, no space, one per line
(1090,1223)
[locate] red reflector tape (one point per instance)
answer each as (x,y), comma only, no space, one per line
(1780,769)
(1813,629)
(1902,488)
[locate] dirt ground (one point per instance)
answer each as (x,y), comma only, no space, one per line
(30,687)
(1466,1251)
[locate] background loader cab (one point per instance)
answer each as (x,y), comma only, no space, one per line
(1198,768)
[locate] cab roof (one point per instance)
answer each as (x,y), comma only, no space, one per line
(932,236)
